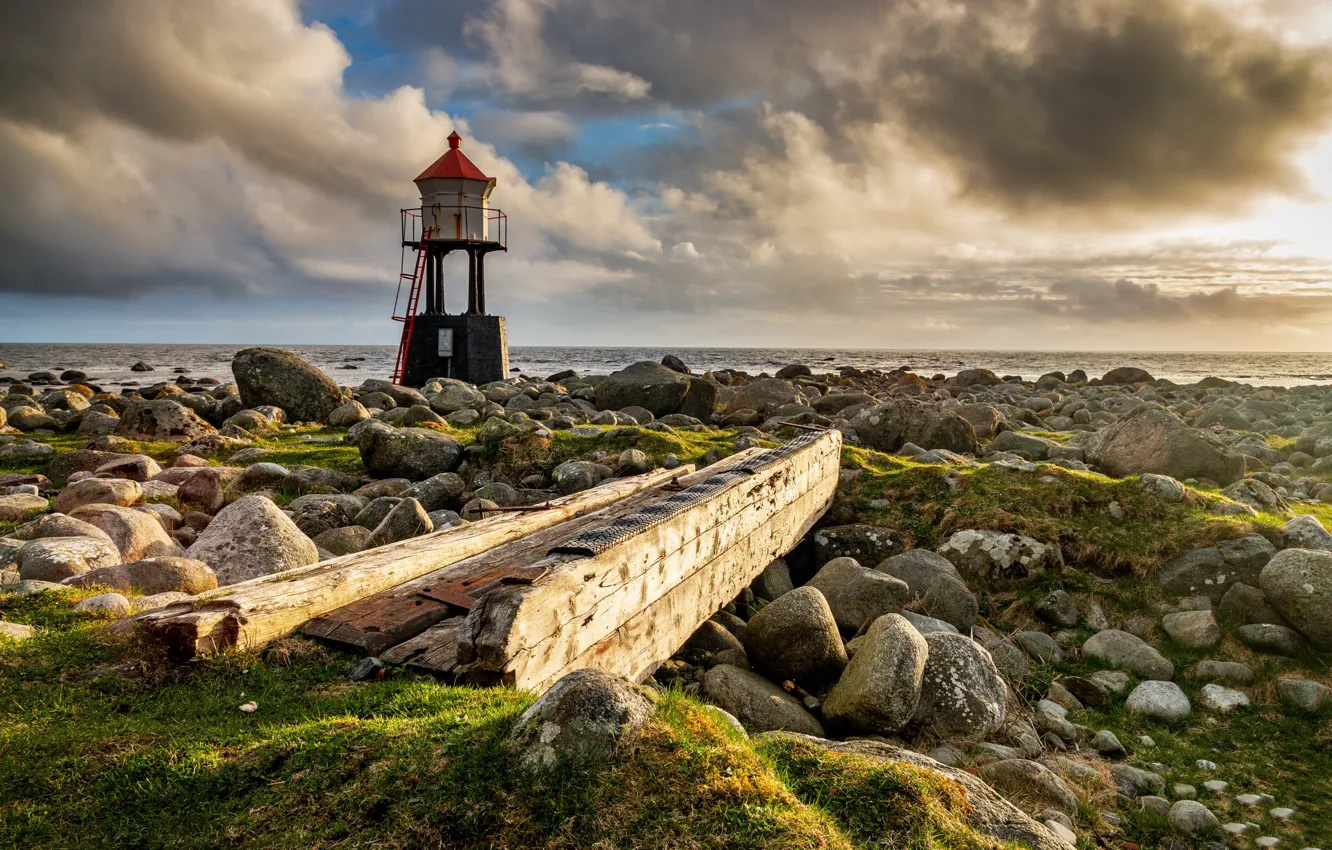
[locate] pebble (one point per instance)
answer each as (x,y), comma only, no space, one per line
(1216,786)
(1146,740)
(250,707)
(1065,834)
(1267,841)
(1249,799)
(1185,792)
(1235,828)
(1281,813)
(1204,764)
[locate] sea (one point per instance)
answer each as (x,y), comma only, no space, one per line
(109,364)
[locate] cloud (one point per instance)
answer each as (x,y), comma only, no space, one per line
(184,146)
(1100,301)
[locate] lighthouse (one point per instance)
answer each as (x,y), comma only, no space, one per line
(455,215)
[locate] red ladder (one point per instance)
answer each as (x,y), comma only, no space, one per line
(417,277)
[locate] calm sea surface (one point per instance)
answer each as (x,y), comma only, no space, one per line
(110,364)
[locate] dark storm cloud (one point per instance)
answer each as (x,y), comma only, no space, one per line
(1101,301)
(1134,105)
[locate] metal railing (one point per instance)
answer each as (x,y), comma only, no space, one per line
(496,223)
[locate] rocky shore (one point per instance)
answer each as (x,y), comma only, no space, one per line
(1041,590)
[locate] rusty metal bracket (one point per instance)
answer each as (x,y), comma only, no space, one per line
(544,506)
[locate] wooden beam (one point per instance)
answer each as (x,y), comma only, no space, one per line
(655,587)
(251,614)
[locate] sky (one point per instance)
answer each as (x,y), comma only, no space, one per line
(950,174)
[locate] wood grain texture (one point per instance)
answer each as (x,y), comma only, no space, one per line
(654,588)
(251,614)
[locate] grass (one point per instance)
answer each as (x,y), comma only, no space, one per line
(150,757)
(1076,510)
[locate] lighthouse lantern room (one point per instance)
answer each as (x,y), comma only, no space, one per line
(455,216)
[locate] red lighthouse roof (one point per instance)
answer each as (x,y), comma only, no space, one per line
(453,164)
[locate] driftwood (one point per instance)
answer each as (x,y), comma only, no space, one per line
(626,607)
(253,613)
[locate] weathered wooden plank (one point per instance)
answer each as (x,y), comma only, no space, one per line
(253,613)
(433,651)
(530,636)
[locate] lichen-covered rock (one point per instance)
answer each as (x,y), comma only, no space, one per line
(280,378)
(868,544)
(985,811)
(762,395)
(345,541)
(579,721)
(880,687)
(1152,439)
(997,556)
(887,427)
(101,491)
(347,415)
(58,525)
(758,703)
(135,533)
(1130,652)
(1030,783)
(407,520)
(413,453)
(1213,570)
(962,694)
(20,506)
(162,419)
(249,538)
(1298,583)
(1163,487)
(858,595)
(58,558)
(152,576)
(575,476)
(453,396)
(657,389)
(1160,701)
(796,637)
(1193,629)
(1306,532)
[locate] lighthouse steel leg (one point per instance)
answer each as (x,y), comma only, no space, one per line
(430,280)
(481,283)
(471,282)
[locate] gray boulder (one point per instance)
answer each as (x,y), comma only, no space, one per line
(59,558)
(1152,439)
(1272,639)
(579,721)
(455,395)
(437,492)
(1298,583)
(948,599)
(1303,695)
(575,476)
(796,637)
(1030,784)
(962,694)
(763,395)
(1160,701)
(1058,609)
(1129,652)
(868,544)
(773,582)
(886,427)
(280,378)
(250,538)
(1213,570)
(413,453)
(997,556)
(759,704)
(1163,487)
(657,389)
(1192,818)
(858,595)
(137,534)
(919,568)
(407,520)
(163,419)
(1192,629)
(151,576)
(880,687)
(1306,532)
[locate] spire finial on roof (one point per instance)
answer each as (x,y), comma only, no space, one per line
(454,140)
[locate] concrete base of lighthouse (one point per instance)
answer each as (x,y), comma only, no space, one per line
(467,347)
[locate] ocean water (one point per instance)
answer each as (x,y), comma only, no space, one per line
(109,364)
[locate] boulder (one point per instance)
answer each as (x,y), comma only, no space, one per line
(886,427)
(763,395)
(97,491)
(135,533)
(58,558)
(948,599)
(79,460)
(962,694)
(1163,487)
(1222,700)
(578,721)
(858,595)
(59,525)
(919,568)
(880,688)
(796,637)
(455,395)
(344,541)
(773,582)
(1152,439)
(1213,570)
(1030,784)
(1306,532)
(413,453)
(1058,609)
(347,415)
(657,389)
(203,491)
(280,378)
(1127,375)
(1303,695)
(1192,629)
(759,704)
(868,544)
(406,520)
(1272,639)
(1160,701)
(1298,584)
(249,538)
(106,604)
(151,576)
(1192,818)
(1132,653)
(575,476)
(133,467)
(437,492)
(997,556)
(162,419)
